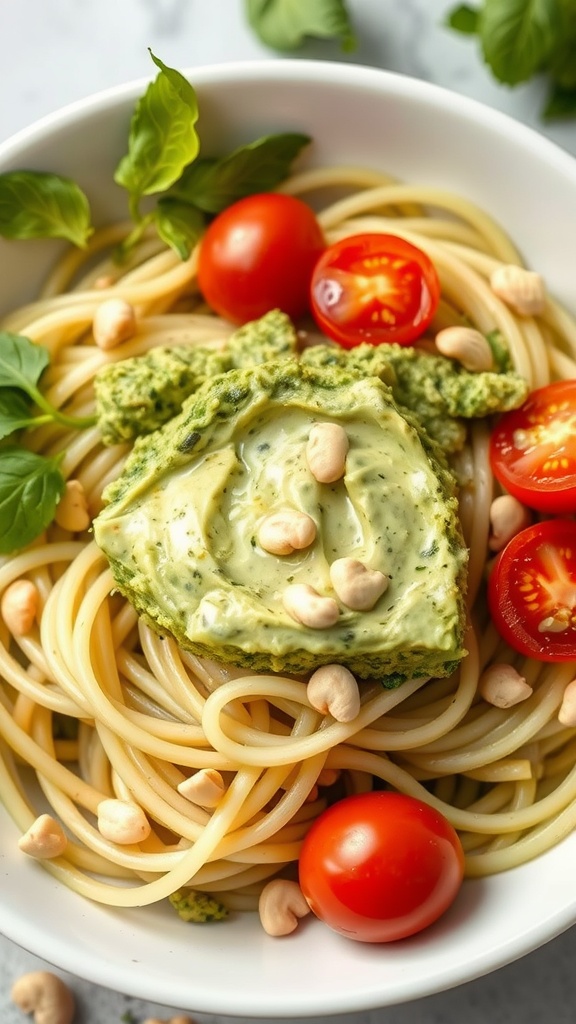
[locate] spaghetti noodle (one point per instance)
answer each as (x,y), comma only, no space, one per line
(149,714)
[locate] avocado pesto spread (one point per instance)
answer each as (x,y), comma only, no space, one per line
(182,525)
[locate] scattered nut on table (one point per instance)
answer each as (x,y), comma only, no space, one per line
(44,995)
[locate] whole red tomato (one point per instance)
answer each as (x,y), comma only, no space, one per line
(380,866)
(258,255)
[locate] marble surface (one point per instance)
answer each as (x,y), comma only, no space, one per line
(58,51)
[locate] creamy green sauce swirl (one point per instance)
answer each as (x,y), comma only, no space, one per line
(185,550)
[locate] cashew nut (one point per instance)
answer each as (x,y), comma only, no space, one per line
(19,606)
(205,787)
(306,605)
(467,345)
(567,712)
(44,839)
(357,586)
(507,517)
(333,690)
(502,686)
(114,322)
(122,822)
(326,452)
(46,996)
(523,290)
(72,509)
(281,904)
(281,533)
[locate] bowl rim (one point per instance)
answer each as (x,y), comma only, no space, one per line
(291,70)
(294,69)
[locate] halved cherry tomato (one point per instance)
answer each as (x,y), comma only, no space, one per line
(533,449)
(258,255)
(532,591)
(374,288)
(380,866)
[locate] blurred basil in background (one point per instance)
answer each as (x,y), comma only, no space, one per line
(518,39)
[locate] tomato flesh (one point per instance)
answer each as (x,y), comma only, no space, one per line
(258,255)
(374,288)
(533,449)
(532,591)
(380,866)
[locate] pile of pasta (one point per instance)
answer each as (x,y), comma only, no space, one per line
(149,714)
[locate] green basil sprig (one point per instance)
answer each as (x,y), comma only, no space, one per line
(14,412)
(36,204)
(21,366)
(163,139)
(179,225)
(212,185)
(30,488)
(285,24)
(31,485)
(208,185)
(523,38)
(161,162)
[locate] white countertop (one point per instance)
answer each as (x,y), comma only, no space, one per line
(58,51)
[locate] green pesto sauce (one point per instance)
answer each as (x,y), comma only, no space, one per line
(181,527)
(136,396)
(197,907)
(437,390)
(273,336)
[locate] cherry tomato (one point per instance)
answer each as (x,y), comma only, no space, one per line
(380,866)
(532,591)
(533,449)
(374,288)
(258,255)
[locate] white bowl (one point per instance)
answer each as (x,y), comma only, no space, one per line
(420,133)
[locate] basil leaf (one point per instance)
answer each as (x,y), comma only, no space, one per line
(464,19)
(21,366)
(259,166)
(124,249)
(562,62)
(560,103)
(162,136)
(14,412)
(562,65)
(21,362)
(30,488)
(284,24)
(517,36)
(37,204)
(179,225)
